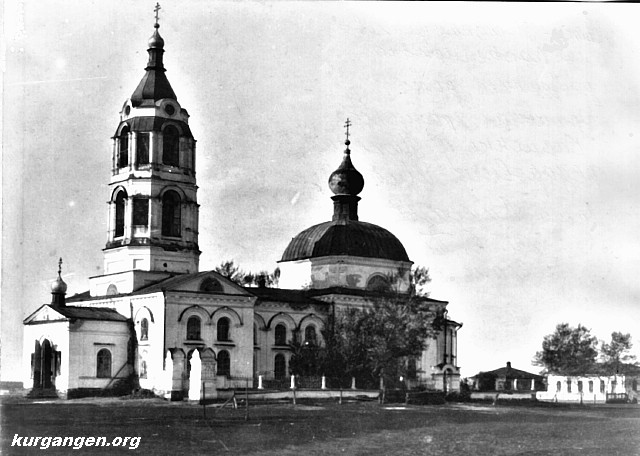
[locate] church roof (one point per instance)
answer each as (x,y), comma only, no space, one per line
(283,295)
(510,372)
(90,313)
(76,313)
(189,282)
(345,237)
(153,86)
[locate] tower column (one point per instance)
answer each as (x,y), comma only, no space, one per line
(153,147)
(183,160)
(128,218)
(133,154)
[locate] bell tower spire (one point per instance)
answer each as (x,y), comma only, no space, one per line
(153,209)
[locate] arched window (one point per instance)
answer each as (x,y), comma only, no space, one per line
(123,152)
(310,336)
(591,386)
(223,329)
(112,290)
(602,386)
(171,224)
(193,328)
(210,285)
(103,364)
(224,363)
(378,283)
(558,386)
(171,146)
(121,199)
(280,367)
(579,386)
(144,329)
(281,334)
(634,385)
(568,386)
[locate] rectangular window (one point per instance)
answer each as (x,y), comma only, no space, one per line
(591,386)
(141,212)
(142,148)
(568,386)
(602,386)
(580,386)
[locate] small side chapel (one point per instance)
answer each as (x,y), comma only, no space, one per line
(154,316)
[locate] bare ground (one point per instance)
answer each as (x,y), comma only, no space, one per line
(327,428)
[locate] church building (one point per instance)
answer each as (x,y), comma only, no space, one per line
(155,317)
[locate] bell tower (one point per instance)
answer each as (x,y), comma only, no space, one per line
(153,210)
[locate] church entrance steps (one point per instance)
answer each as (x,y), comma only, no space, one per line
(42,393)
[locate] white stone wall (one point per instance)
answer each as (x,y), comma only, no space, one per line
(341,271)
(210,308)
(151,350)
(612,384)
(86,338)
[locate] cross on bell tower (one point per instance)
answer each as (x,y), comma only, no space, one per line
(157,10)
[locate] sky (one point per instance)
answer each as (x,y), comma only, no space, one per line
(498,141)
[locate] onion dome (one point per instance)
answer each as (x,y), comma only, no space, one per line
(156,40)
(346,180)
(58,288)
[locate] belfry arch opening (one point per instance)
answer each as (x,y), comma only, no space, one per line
(123,147)
(171,216)
(171,146)
(120,203)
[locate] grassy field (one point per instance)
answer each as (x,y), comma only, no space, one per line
(167,428)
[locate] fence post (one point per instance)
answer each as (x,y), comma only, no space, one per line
(324,383)
(204,403)
(353,383)
(260,382)
(246,401)
(293,382)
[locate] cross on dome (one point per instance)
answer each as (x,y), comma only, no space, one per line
(347,125)
(157,9)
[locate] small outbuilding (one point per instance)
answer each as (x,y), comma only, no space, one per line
(507,379)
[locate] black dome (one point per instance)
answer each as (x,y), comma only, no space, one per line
(345,237)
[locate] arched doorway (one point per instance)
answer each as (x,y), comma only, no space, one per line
(45,364)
